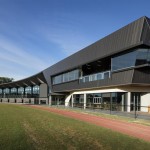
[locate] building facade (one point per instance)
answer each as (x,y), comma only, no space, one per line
(112,73)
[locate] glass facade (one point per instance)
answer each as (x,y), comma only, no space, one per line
(36,89)
(65,77)
(13,90)
(28,90)
(116,101)
(131,59)
(6,91)
(21,90)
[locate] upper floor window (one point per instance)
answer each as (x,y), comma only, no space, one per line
(130,59)
(65,77)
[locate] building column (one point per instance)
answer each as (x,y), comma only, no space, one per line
(50,100)
(32,91)
(9,91)
(24,90)
(122,103)
(128,101)
(4,94)
(72,101)
(17,90)
(84,101)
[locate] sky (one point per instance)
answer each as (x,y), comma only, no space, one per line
(35,34)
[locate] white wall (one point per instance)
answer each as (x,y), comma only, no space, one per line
(4,99)
(26,100)
(145,101)
(11,100)
(18,100)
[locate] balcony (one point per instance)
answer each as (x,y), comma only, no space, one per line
(96,76)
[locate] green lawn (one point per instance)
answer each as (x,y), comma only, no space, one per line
(26,128)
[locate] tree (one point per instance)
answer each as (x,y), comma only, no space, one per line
(5,80)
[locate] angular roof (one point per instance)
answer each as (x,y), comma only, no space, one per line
(131,35)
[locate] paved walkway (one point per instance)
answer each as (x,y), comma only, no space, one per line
(135,130)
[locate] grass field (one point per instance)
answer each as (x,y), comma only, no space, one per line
(26,128)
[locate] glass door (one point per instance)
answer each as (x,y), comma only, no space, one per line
(135,101)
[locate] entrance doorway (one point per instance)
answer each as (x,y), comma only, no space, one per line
(135,102)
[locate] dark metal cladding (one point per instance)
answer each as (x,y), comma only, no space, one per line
(118,78)
(141,76)
(145,37)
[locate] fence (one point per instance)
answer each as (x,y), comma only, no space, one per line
(134,111)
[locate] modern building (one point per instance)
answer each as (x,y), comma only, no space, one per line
(114,70)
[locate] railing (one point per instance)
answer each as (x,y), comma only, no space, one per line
(136,112)
(19,96)
(96,76)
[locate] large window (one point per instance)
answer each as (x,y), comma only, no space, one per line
(6,91)
(20,90)
(36,89)
(65,77)
(131,59)
(28,90)
(13,90)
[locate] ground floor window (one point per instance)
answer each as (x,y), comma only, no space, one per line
(78,100)
(58,100)
(116,101)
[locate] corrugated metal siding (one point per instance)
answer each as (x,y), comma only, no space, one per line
(118,41)
(146,32)
(120,78)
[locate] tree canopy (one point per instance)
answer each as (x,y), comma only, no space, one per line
(5,80)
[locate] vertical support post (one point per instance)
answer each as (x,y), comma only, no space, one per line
(31,90)
(135,104)
(122,103)
(17,90)
(57,101)
(4,93)
(50,100)
(85,101)
(128,101)
(110,102)
(24,90)
(72,101)
(9,91)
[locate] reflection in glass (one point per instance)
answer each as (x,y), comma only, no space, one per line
(130,59)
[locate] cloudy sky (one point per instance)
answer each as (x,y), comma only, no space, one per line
(34,34)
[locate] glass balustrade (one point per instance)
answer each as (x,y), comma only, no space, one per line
(94,77)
